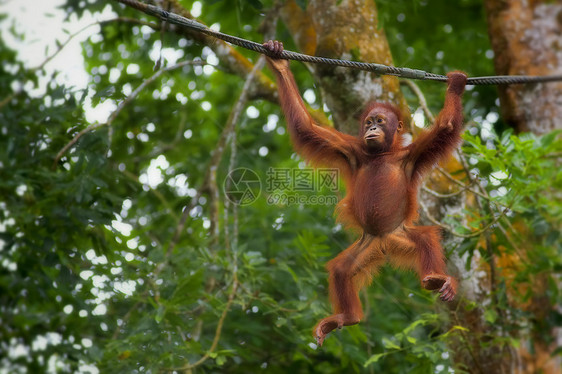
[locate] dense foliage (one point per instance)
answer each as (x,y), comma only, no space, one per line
(98,271)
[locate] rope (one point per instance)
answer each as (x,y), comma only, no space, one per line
(289,55)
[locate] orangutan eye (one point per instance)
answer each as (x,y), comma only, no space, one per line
(369,122)
(380,120)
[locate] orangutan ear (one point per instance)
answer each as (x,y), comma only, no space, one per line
(400,126)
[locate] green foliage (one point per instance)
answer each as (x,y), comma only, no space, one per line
(448,27)
(427,354)
(523,179)
(93,272)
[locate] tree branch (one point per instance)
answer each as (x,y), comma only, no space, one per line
(421,98)
(121,106)
(234,61)
(60,47)
(218,330)
(442,195)
(451,230)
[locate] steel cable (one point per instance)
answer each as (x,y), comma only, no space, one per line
(289,55)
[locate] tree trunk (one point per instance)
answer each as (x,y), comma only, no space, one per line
(527,40)
(345,30)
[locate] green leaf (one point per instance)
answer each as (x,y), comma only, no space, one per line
(160,312)
(458,327)
(389,344)
(373,359)
(220,360)
(490,315)
(187,289)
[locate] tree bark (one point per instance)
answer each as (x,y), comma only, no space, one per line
(232,60)
(346,30)
(526,37)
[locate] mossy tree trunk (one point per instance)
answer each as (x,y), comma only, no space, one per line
(346,30)
(526,37)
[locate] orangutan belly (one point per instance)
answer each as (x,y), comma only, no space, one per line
(380,197)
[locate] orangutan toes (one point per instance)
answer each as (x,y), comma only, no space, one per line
(336,321)
(445,284)
(433,282)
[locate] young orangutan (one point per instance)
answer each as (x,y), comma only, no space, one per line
(382,178)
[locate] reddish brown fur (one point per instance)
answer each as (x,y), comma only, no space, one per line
(375,104)
(381,196)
